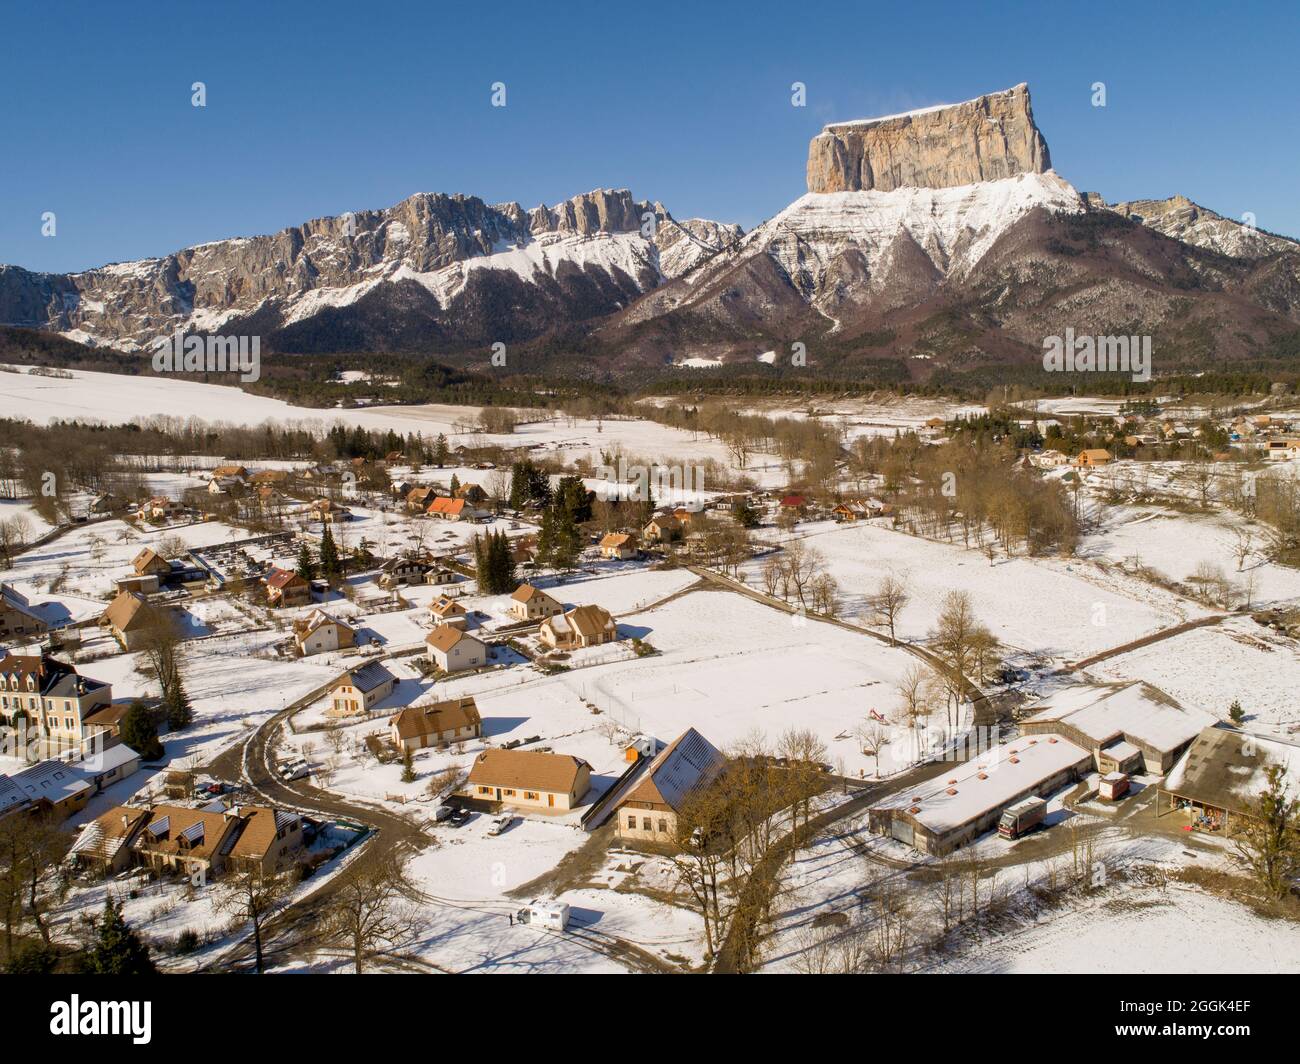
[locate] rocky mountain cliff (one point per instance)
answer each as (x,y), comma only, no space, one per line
(985,139)
(1180,218)
(451,268)
(941,239)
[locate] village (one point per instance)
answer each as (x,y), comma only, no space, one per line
(892,700)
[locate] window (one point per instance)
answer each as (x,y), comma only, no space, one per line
(645,823)
(532,796)
(663,827)
(510,792)
(631,822)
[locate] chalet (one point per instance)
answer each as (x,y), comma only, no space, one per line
(1218,782)
(224,485)
(450,721)
(207,842)
(794,504)
(231,471)
(529,603)
(621,545)
(453,650)
(438,575)
(664,529)
(359,690)
(444,610)
(410,568)
(150,563)
(582,626)
(528,779)
(447,509)
(159,508)
(1282,448)
(418,499)
(284,587)
(318,633)
(51,696)
(105,843)
(471,493)
(17,618)
(1092,457)
(327,512)
(129,616)
(648,813)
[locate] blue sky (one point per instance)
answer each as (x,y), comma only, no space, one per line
(315,109)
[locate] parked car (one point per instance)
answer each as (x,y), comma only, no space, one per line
(295,769)
(444,812)
(459,817)
(500,824)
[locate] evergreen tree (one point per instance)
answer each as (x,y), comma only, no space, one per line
(746,516)
(306,567)
(180,714)
(575,498)
(140,732)
(440,451)
(329,556)
(455,485)
(506,579)
(32,958)
(116,949)
(1235,713)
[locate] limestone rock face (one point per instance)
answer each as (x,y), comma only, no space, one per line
(1180,218)
(986,139)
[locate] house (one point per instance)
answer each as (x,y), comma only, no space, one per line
(129,616)
(410,568)
(231,471)
(105,843)
(418,499)
(450,721)
(1279,449)
(1129,727)
(51,787)
(40,693)
(359,690)
(438,575)
(1092,457)
(528,779)
(269,477)
(523,551)
(1218,781)
(327,512)
(448,509)
(582,626)
(150,563)
(453,650)
(648,812)
(664,529)
(444,610)
(105,722)
(529,603)
(794,504)
(621,545)
(159,508)
(471,493)
(17,618)
(958,805)
(318,633)
(284,587)
(207,842)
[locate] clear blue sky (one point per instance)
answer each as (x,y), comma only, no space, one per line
(318,108)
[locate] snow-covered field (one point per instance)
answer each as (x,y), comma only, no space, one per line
(1061,609)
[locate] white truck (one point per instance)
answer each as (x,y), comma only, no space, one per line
(1022,818)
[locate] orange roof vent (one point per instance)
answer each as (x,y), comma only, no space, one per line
(1033,742)
(983,775)
(1051,740)
(1015,760)
(951,790)
(951,782)
(915,809)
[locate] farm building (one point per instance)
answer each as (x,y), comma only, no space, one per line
(957,807)
(1216,783)
(1129,727)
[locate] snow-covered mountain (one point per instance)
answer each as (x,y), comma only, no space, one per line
(1180,218)
(451,268)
